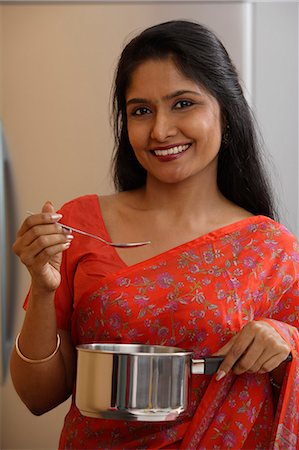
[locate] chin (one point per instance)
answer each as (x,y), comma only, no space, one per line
(172,180)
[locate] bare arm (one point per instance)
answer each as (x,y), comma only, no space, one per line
(42,386)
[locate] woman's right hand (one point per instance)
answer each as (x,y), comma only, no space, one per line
(39,244)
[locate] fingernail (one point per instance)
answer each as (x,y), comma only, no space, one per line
(66,245)
(220,375)
(56,216)
(49,201)
(67,230)
(69,237)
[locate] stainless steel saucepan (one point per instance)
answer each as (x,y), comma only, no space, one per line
(136,382)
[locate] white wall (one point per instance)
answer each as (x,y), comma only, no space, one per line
(275,94)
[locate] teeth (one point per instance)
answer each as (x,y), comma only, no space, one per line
(171,151)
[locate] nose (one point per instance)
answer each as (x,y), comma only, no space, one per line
(163,127)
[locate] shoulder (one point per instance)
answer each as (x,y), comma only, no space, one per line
(119,203)
(94,212)
(278,239)
(277,250)
(83,211)
(275,229)
(84,201)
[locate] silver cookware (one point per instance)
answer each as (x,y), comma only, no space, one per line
(136,382)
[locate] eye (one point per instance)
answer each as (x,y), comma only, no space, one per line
(183,104)
(141,111)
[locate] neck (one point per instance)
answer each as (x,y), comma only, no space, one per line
(189,198)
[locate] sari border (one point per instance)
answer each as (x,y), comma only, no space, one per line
(202,239)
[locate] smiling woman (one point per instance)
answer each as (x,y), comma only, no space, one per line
(171,119)
(219,278)
(213,83)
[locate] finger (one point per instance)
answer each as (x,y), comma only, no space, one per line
(274,361)
(43,245)
(45,242)
(265,363)
(48,207)
(261,359)
(38,219)
(266,349)
(27,239)
(225,349)
(49,252)
(257,346)
(242,341)
(47,215)
(253,358)
(42,230)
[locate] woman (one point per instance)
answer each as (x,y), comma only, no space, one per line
(220,276)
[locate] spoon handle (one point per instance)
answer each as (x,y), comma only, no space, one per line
(112,244)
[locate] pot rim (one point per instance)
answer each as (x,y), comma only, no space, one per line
(116,349)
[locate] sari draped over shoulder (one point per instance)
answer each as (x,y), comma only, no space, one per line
(196,296)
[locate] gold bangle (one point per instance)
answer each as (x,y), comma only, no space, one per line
(36,361)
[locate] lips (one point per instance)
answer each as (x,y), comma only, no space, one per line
(171,151)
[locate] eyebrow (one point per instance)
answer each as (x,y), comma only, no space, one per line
(166,97)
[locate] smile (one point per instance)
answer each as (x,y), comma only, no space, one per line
(172,150)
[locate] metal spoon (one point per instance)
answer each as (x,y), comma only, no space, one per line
(112,244)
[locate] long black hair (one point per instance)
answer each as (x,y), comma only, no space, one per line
(200,56)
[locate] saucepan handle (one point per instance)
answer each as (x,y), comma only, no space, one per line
(209,365)
(206,365)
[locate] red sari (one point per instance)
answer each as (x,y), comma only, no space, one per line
(195,296)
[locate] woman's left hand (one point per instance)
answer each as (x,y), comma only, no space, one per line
(257,348)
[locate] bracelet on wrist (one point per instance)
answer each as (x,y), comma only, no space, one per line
(36,361)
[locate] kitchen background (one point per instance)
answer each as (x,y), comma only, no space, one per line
(56,67)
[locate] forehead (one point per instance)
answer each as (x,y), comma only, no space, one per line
(156,80)
(154,73)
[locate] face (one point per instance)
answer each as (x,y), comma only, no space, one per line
(174,125)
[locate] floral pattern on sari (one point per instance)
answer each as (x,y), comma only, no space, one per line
(196,297)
